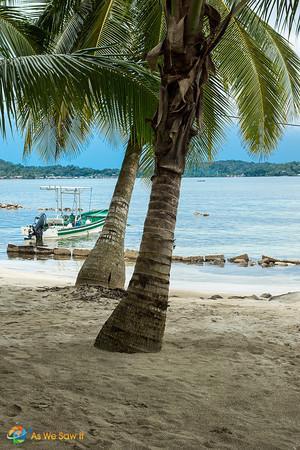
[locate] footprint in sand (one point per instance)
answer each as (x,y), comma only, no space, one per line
(13,410)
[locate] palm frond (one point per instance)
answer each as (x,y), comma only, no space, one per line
(149,25)
(63,135)
(17,36)
(257,80)
(55,14)
(285,12)
(124,92)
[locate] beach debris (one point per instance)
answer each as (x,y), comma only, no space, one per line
(268,261)
(46,209)
(10,206)
(289,297)
(241,259)
(215,259)
(29,251)
(199,213)
(215,297)
(221,430)
(189,259)
(13,410)
(131,255)
(266,295)
(40,250)
(253,297)
(64,252)
(25,249)
(81,252)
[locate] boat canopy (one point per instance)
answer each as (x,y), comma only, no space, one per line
(65,189)
(76,191)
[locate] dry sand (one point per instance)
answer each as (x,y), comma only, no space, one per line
(227,377)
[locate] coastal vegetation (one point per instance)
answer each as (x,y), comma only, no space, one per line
(229,168)
(11,170)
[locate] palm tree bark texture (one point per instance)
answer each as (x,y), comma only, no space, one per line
(138,322)
(105,266)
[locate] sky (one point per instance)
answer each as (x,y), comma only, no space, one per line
(100,154)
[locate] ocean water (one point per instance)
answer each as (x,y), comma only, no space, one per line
(246,215)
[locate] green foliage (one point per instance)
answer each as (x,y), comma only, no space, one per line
(257,74)
(10,170)
(116,91)
(261,72)
(17,35)
(245,169)
(205,169)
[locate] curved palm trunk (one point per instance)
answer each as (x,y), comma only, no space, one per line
(105,266)
(138,322)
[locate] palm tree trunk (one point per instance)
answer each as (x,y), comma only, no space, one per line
(105,266)
(138,322)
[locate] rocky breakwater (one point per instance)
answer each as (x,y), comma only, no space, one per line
(242,260)
(268,261)
(10,206)
(31,251)
(131,256)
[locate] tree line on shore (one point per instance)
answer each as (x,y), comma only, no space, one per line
(229,168)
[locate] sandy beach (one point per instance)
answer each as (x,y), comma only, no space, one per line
(227,377)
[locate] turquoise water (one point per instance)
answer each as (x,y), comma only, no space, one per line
(253,215)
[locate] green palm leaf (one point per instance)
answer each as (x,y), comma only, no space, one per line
(117,87)
(261,76)
(17,36)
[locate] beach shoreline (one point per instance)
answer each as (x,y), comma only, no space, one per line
(186,280)
(227,376)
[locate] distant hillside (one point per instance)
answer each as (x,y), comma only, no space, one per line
(215,169)
(10,170)
(246,169)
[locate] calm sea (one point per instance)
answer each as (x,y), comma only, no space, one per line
(253,215)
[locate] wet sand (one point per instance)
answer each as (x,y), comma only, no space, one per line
(227,377)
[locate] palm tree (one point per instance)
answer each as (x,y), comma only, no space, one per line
(36,83)
(105,266)
(221,41)
(92,23)
(70,26)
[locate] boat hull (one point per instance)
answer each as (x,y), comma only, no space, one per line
(59,232)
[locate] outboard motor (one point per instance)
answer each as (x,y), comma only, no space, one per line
(38,228)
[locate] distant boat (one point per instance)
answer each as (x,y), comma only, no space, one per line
(63,226)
